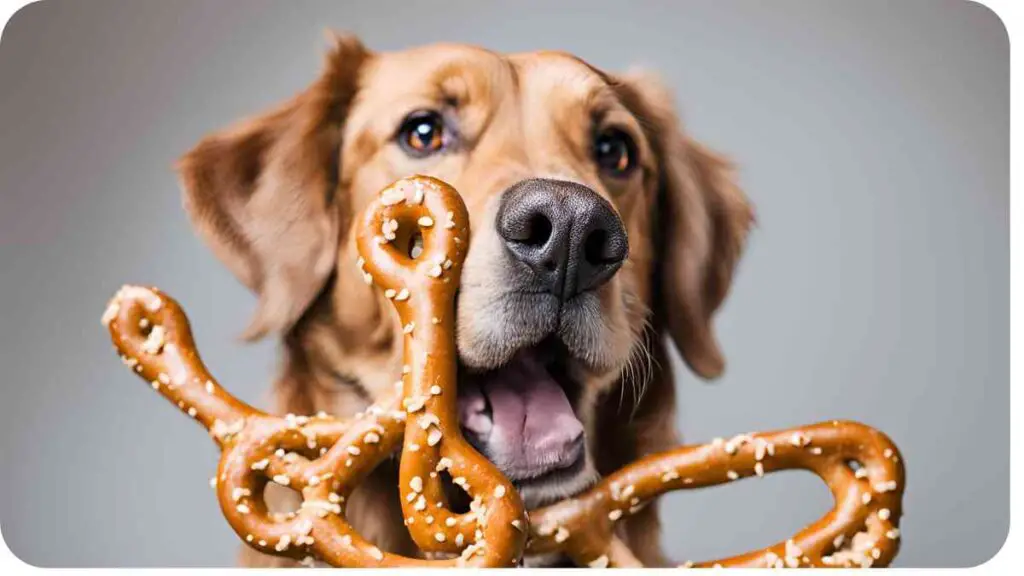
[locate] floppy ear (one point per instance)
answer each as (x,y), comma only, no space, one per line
(703,219)
(262,193)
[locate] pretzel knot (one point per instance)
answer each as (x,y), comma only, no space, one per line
(325,459)
(413,240)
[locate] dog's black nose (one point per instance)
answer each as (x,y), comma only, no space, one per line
(567,235)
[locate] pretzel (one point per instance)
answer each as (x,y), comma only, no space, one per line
(862,467)
(325,458)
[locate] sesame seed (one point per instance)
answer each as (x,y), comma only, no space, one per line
(408,328)
(816,450)
(440,537)
(599,562)
(561,535)
(402,295)
(887,453)
(434,437)
(391,196)
(416,484)
(155,385)
(861,473)
(499,491)
(248,538)
(242,509)
(759,469)
(192,412)
(406,369)
(615,515)
(376,553)
(209,387)
(876,553)
(389,293)
(281,479)
(425,221)
(420,505)
(371,438)
(262,543)
(893,534)
(435,390)
(367,278)
(883,487)
(354,450)
(435,320)
(866,498)
(313,480)
(163,378)
(435,271)
(799,440)
(283,543)
(792,550)
(838,540)
(239,493)
(732,475)
(459,538)
(669,476)
(443,464)
(348,462)
(884,514)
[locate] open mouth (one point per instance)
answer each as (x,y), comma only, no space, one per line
(522,415)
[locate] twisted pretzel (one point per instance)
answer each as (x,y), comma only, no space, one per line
(861,466)
(325,459)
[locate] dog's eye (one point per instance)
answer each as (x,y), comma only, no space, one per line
(615,152)
(422,133)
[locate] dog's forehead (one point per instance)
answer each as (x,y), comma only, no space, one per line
(430,66)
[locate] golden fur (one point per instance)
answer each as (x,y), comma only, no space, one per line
(275,196)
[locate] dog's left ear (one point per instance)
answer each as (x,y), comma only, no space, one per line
(703,219)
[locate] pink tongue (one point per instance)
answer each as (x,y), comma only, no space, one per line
(533,428)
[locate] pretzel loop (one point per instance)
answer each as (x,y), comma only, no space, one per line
(861,466)
(421,288)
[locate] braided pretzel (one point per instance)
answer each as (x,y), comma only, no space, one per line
(325,459)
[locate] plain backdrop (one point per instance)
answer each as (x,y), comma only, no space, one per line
(872,136)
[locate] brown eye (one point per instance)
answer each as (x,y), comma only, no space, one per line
(615,152)
(422,134)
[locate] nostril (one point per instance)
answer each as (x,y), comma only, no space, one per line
(538,231)
(595,248)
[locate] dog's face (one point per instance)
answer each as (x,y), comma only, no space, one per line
(595,222)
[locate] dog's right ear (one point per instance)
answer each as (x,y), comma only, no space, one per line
(262,194)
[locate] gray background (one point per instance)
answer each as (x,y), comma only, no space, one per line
(873,137)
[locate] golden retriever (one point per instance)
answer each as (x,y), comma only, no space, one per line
(598,227)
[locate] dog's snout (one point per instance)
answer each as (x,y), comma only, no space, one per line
(567,235)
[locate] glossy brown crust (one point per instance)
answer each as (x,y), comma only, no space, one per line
(861,530)
(324,459)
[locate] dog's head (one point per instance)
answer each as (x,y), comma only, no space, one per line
(596,222)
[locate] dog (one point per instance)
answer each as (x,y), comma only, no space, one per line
(600,230)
